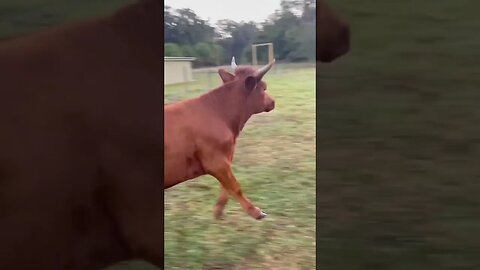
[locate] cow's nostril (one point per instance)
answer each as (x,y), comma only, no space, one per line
(272,105)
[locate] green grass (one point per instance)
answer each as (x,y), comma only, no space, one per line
(399,139)
(275,164)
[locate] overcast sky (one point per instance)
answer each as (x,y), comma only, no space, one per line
(236,10)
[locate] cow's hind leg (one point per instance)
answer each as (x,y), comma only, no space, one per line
(221,202)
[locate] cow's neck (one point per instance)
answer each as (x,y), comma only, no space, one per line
(231,108)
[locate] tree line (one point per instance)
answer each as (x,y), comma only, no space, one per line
(291,29)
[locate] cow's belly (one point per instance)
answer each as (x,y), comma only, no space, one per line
(181,167)
(180,159)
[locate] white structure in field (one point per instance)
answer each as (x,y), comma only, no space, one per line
(177,69)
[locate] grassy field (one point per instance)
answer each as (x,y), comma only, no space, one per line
(399,139)
(275,164)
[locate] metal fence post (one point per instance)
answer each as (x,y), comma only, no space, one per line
(185,79)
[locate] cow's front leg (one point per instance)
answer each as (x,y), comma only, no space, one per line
(223,173)
(221,202)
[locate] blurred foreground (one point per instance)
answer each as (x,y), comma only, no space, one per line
(399,139)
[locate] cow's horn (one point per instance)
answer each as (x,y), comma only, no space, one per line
(261,72)
(234,65)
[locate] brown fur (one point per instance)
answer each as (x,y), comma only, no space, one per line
(333,34)
(81,148)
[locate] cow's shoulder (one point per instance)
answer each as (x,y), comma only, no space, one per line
(215,136)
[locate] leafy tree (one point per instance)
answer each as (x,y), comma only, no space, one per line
(203,52)
(302,37)
(188,51)
(291,29)
(172,49)
(237,37)
(217,54)
(183,26)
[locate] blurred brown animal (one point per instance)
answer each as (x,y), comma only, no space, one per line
(81,149)
(201,133)
(333,34)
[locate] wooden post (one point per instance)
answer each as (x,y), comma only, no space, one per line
(270,52)
(254,55)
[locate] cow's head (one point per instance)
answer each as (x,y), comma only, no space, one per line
(333,34)
(247,84)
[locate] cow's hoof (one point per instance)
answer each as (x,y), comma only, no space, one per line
(218,215)
(261,216)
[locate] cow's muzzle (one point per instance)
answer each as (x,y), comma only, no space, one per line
(270,106)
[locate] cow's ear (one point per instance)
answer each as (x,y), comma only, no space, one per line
(225,75)
(250,83)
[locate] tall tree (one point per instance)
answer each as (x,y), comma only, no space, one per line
(240,36)
(291,29)
(183,26)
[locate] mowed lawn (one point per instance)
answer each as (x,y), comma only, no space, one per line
(399,139)
(275,164)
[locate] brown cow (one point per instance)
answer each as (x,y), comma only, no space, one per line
(333,41)
(333,34)
(81,148)
(200,133)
